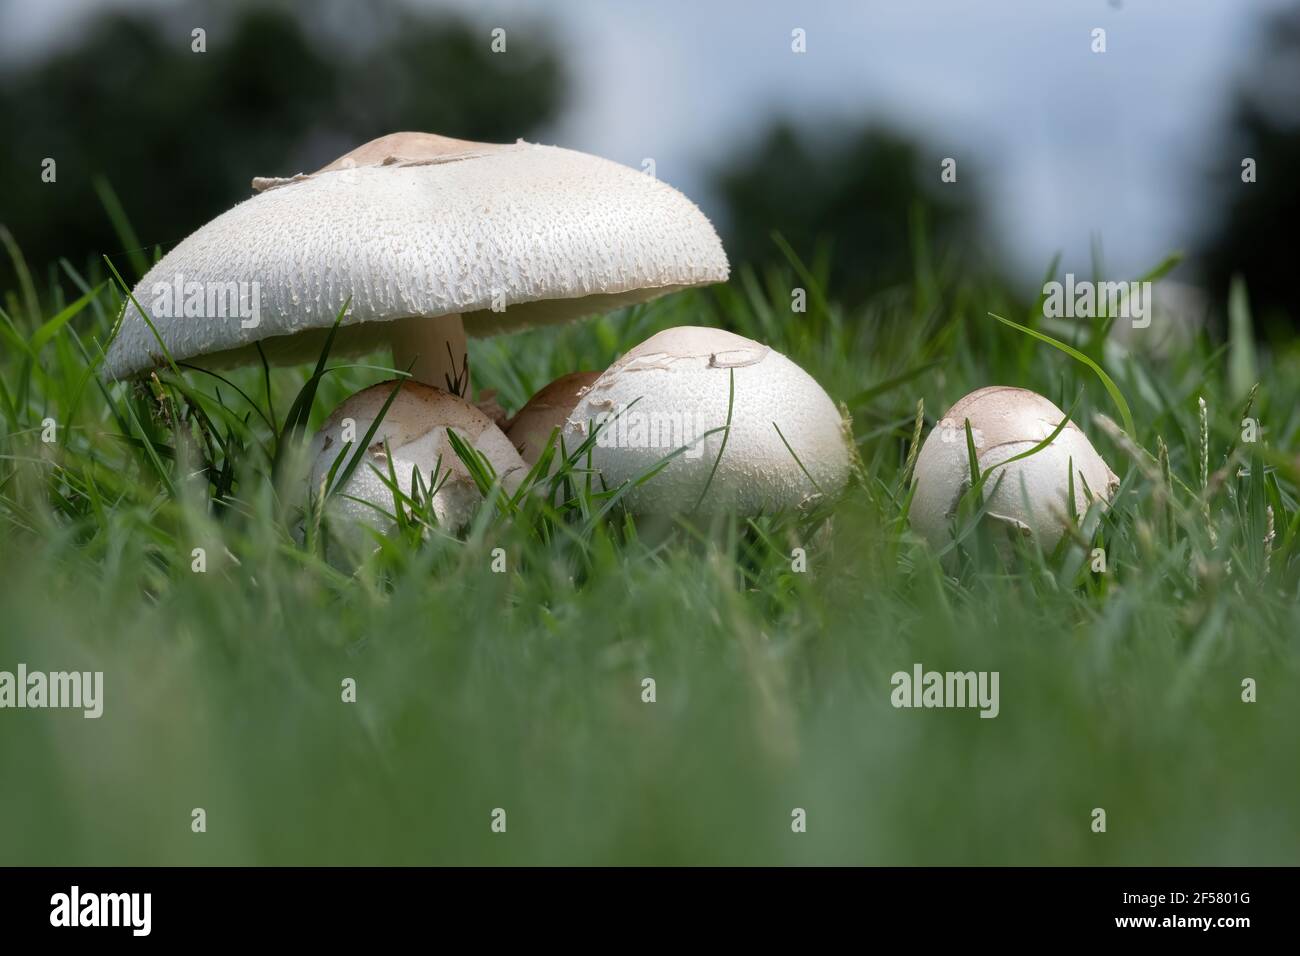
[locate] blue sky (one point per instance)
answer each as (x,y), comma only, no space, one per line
(1069,143)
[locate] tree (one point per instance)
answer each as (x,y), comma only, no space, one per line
(177,135)
(854,188)
(1253,223)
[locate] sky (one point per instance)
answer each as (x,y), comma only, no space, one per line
(1070,144)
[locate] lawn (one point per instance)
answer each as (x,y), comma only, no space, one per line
(522,690)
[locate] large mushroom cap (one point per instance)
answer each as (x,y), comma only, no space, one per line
(413,434)
(1031,494)
(680,382)
(415,225)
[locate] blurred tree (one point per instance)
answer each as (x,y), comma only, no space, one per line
(1253,223)
(855,188)
(282,88)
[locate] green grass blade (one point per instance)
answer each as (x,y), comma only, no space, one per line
(1116,395)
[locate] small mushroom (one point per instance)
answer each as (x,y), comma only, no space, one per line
(413,434)
(672,392)
(423,238)
(546,411)
(1177,314)
(1029,496)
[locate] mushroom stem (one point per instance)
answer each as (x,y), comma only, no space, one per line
(434,351)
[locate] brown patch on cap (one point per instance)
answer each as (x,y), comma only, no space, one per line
(408,148)
(395,149)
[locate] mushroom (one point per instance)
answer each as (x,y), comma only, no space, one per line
(411,437)
(672,392)
(423,238)
(1177,314)
(1030,495)
(547,410)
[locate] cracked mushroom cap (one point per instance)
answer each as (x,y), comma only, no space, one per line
(680,381)
(417,225)
(415,429)
(546,411)
(1033,494)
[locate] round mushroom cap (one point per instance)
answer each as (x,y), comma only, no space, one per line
(1177,314)
(547,410)
(1031,494)
(416,225)
(415,431)
(671,390)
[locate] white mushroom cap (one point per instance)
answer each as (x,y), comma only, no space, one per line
(682,378)
(546,411)
(417,225)
(1033,494)
(1177,313)
(415,429)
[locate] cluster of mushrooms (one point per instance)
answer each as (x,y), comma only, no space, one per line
(420,240)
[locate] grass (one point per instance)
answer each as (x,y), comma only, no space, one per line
(522,690)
